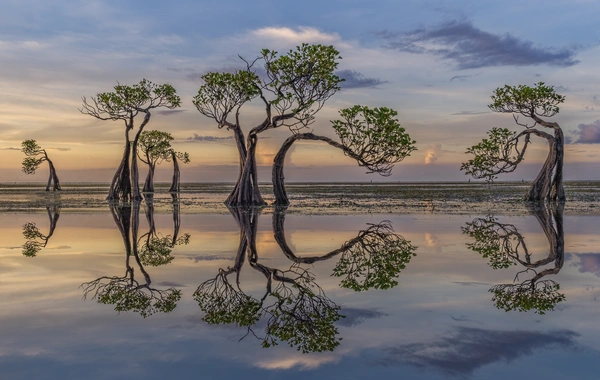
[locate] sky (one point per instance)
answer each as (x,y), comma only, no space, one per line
(435,62)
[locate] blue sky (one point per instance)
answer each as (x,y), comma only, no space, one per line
(435,62)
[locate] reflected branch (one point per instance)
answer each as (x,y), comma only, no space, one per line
(35,241)
(503,246)
(125,292)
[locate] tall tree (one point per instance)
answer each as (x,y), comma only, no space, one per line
(175,157)
(292,88)
(371,136)
(35,156)
(154,146)
(34,239)
(503,150)
(125,103)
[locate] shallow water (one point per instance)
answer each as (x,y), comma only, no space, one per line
(427,314)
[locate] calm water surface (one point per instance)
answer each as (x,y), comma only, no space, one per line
(188,295)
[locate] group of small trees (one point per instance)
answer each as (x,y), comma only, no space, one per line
(292,88)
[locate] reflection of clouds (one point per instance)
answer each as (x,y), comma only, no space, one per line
(431,241)
(469,349)
(299,360)
(354,316)
(589,262)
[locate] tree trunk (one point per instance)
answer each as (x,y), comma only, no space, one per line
(277,177)
(176,218)
(135,175)
(242,153)
(246,192)
(149,183)
(548,184)
(120,187)
(52,177)
(176,180)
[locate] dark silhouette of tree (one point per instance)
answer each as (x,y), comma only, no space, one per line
(503,150)
(294,87)
(371,260)
(35,156)
(125,292)
(371,136)
(293,306)
(154,146)
(184,157)
(126,103)
(34,239)
(504,246)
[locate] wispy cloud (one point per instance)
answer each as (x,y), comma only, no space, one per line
(588,133)
(469,349)
(169,112)
(463,113)
(198,138)
(354,79)
(470,47)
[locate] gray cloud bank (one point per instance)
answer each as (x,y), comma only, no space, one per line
(588,133)
(354,79)
(469,349)
(470,47)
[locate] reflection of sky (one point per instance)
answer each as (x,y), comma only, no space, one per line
(438,321)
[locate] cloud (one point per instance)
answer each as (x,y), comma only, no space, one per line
(11,148)
(171,284)
(299,36)
(468,113)
(60,149)
(354,79)
(588,133)
(198,138)
(354,317)
(168,112)
(469,349)
(211,258)
(590,263)
(470,48)
(470,283)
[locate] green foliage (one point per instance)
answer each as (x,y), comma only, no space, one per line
(541,296)
(223,304)
(499,243)
(299,83)
(302,80)
(32,245)
(184,157)
(155,146)
(139,299)
(35,155)
(375,137)
(222,93)
(540,100)
(126,101)
(496,154)
(156,251)
(303,319)
(375,260)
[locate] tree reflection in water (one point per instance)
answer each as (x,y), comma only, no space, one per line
(504,246)
(294,306)
(34,239)
(151,249)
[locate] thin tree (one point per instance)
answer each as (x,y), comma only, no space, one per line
(35,156)
(126,103)
(503,150)
(154,146)
(371,136)
(292,88)
(34,239)
(175,157)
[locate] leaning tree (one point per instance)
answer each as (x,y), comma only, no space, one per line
(291,87)
(503,150)
(35,156)
(125,103)
(175,157)
(371,136)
